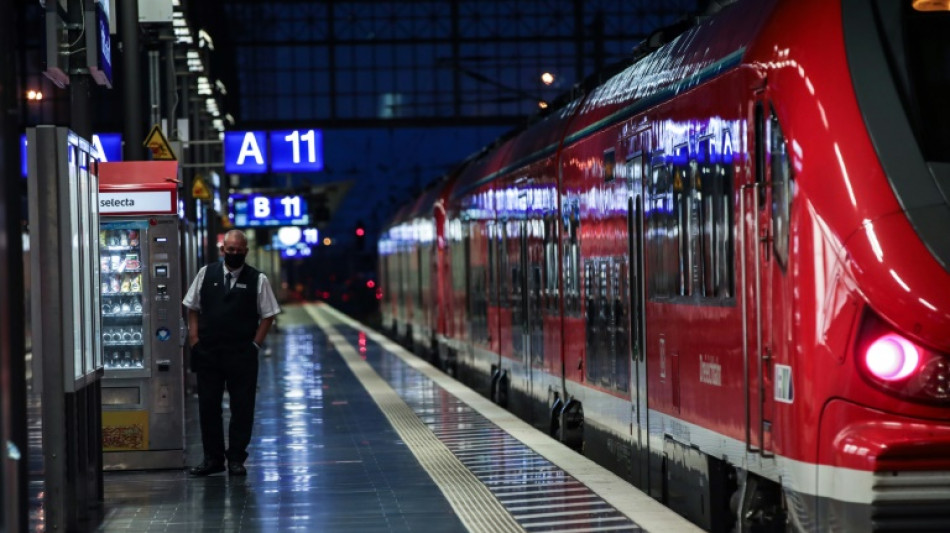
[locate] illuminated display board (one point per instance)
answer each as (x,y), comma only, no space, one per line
(245,152)
(296,150)
(256,152)
(107,147)
(254,210)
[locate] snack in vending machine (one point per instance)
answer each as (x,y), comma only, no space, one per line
(123,239)
(126,284)
(137,305)
(104,265)
(115,284)
(133,237)
(136,285)
(126,308)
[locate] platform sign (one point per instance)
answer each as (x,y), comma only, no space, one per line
(296,150)
(106,147)
(245,152)
(253,210)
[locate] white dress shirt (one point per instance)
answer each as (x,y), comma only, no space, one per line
(267,305)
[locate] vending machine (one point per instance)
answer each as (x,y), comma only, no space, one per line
(140,290)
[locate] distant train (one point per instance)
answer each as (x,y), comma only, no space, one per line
(723,271)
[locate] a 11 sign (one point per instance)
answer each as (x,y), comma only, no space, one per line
(246,152)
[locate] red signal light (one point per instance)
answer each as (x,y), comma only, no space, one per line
(360,232)
(370,284)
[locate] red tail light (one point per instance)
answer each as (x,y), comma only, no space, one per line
(892,357)
(900,366)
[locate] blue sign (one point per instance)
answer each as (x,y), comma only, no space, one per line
(163,334)
(253,210)
(296,150)
(295,252)
(101,71)
(245,152)
(106,147)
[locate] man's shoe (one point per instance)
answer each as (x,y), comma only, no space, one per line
(237,469)
(206,468)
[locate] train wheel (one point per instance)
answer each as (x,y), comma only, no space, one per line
(759,505)
(556,415)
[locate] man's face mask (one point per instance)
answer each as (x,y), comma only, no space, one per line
(234,257)
(234,260)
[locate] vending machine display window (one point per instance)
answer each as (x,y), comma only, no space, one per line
(122,297)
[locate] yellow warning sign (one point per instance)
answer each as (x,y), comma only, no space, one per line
(158,144)
(200,189)
(677,181)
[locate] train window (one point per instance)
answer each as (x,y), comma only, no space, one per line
(723,231)
(705,185)
(550,263)
(504,290)
(572,303)
(781,191)
(662,238)
(492,252)
(760,153)
(681,209)
(609,165)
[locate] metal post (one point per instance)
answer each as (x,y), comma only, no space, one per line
(187,152)
(154,88)
(132,130)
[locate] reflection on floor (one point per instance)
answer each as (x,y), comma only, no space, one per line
(323,458)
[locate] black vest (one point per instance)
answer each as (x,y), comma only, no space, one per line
(228,318)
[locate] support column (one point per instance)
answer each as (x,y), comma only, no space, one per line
(14,512)
(133,131)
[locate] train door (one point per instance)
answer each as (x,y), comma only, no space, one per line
(640,468)
(760,267)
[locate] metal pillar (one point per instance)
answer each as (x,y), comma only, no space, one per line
(132,129)
(14,514)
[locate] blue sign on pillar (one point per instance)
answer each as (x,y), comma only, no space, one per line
(245,152)
(106,147)
(296,150)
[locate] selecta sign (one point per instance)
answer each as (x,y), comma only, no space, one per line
(257,152)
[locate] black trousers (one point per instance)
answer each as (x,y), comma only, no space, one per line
(235,370)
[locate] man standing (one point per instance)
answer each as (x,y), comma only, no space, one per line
(231,307)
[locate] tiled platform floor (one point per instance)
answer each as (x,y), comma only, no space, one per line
(348,437)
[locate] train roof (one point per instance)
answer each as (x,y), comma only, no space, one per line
(694,54)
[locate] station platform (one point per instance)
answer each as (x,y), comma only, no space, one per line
(354,434)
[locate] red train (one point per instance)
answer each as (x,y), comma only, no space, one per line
(723,272)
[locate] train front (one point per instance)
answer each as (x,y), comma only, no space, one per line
(871,240)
